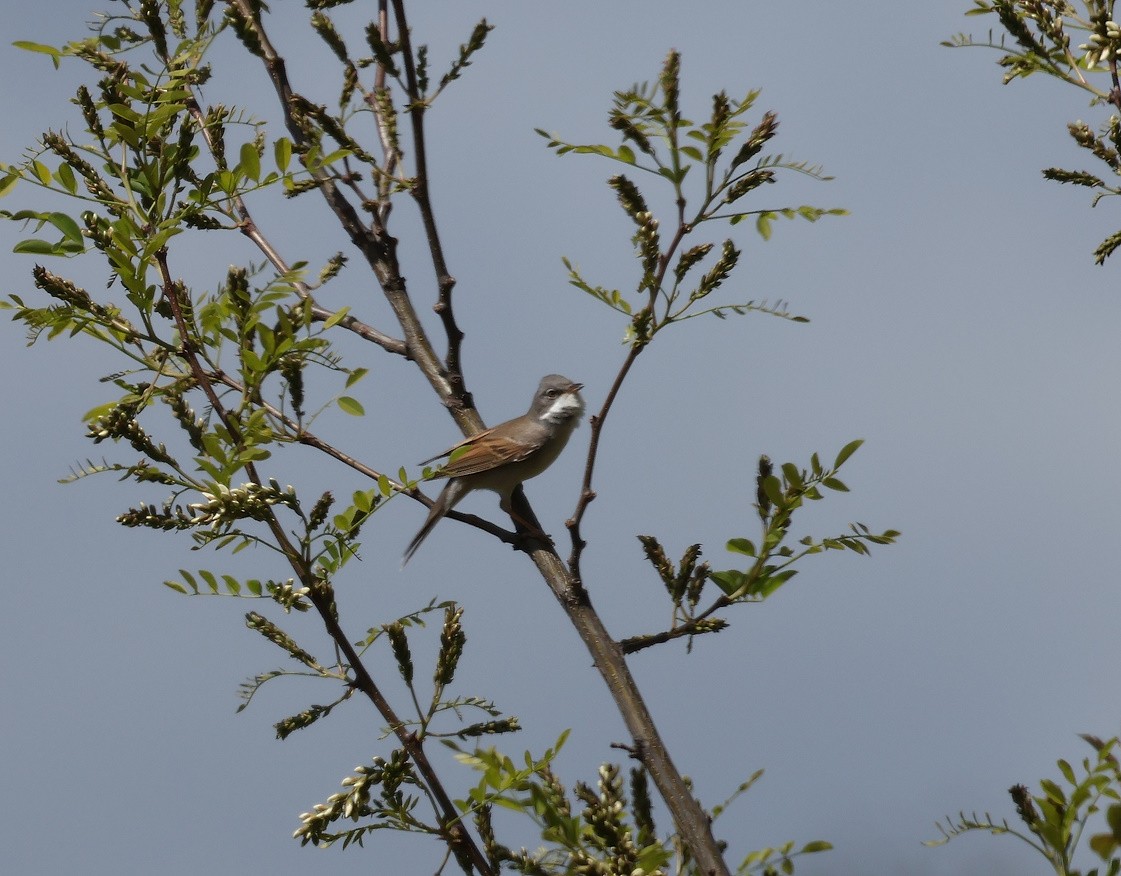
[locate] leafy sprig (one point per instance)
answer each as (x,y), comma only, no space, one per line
(778,497)
(1039,36)
(658,140)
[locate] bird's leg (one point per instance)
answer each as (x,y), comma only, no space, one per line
(526,528)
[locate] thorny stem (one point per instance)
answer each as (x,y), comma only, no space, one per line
(322,597)
(597,421)
(421,194)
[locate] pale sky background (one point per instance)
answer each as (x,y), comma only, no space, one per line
(959,325)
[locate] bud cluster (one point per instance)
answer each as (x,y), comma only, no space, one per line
(120,422)
(253,501)
(278,637)
(1105,42)
(354,803)
(150,516)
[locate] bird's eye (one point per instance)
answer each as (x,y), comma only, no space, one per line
(552,393)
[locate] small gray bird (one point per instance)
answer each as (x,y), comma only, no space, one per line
(499,459)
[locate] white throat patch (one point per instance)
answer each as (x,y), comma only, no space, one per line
(567,406)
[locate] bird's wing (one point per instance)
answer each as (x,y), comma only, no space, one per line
(456,447)
(483,452)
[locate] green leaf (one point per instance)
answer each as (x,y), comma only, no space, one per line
(27,46)
(730,581)
(835,484)
(337,155)
(66,178)
(67,226)
(42,172)
(741,546)
(282,152)
(847,451)
(351,406)
(190,579)
(250,161)
(36,247)
(773,490)
(792,475)
(1053,792)
(768,585)
(336,317)
(763,225)
(362,501)
(1103,844)
(210,580)
(816,846)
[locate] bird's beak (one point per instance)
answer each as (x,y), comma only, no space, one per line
(575,387)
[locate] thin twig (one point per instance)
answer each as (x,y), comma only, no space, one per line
(420,191)
(300,434)
(598,420)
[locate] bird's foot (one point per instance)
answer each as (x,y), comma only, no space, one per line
(533,533)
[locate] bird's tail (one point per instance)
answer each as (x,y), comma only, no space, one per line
(453,491)
(434,515)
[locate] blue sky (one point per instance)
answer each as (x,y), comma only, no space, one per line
(958,325)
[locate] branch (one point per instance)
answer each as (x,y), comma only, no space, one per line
(597,421)
(322,597)
(309,439)
(420,192)
(249,228)
(691,627)
(377,246)
(688,816)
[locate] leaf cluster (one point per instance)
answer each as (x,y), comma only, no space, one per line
(1055,820)
(596,830)
(727,152)
(1037,38)
(778,497)
(390,794)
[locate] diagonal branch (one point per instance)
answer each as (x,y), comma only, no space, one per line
(322,597)
(648,747)
(597,421)
(249,228)
(309,439)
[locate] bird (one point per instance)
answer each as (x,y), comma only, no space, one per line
(502,457)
